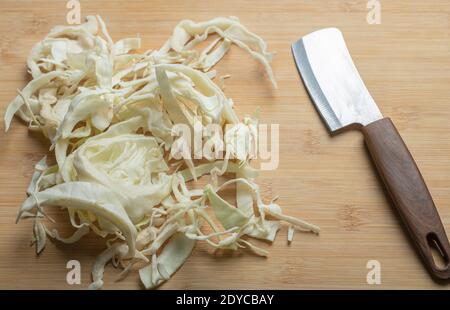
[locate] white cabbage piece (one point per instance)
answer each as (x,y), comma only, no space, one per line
(32,87)
(187,34)
(130,164)
(99,201)
(109,111)
(173,256)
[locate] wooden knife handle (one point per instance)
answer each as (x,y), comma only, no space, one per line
(409,193)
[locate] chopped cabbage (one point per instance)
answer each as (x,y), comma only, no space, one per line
(109,112)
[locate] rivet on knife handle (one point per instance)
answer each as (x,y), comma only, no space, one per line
(408,192)
(343,101)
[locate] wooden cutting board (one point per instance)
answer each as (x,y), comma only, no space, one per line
(405,63)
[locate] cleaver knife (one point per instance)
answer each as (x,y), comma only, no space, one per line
(343,101)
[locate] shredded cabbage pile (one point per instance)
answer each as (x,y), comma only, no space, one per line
(108,111)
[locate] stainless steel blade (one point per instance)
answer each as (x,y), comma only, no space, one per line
(332,80)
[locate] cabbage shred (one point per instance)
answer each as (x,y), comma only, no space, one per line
(108,111)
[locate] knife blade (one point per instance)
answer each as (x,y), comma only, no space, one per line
(332,80)
(342,99)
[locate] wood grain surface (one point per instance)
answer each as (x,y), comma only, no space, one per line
(329,181)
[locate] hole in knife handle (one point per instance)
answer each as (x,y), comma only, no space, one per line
(440,258)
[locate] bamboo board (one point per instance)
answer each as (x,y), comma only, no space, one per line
(329,181)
